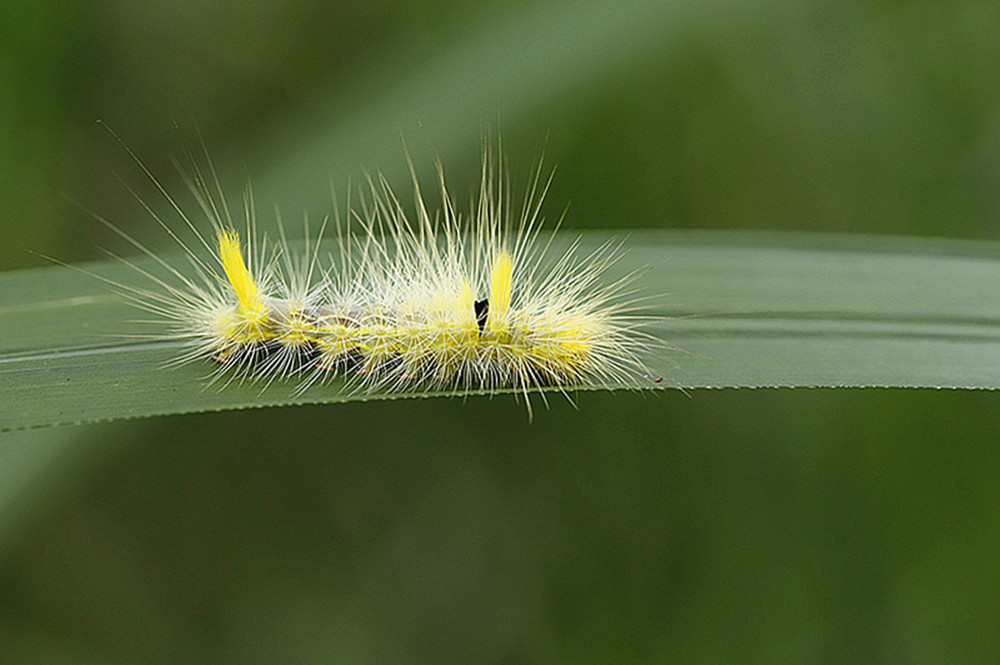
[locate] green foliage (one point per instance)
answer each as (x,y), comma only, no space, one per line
(729,310)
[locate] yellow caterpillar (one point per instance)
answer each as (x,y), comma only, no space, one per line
(474,303)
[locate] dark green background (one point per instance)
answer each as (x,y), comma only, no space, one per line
(751,526)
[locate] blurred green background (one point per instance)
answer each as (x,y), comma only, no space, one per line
(749,526)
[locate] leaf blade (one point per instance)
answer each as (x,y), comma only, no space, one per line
(733,310)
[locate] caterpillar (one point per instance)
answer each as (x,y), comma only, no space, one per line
(403,301)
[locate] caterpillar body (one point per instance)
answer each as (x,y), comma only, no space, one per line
(403,302)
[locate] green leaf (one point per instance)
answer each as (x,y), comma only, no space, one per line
(732,309)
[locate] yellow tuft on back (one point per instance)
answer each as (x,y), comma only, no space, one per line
(247,295)
(253,320)
(501,277)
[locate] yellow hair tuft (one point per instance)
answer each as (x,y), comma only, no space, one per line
(231,256)
(501,285)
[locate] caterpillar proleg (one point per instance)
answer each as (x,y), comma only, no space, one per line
(395,300)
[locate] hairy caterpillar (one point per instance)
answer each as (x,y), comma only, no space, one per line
(472,302)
